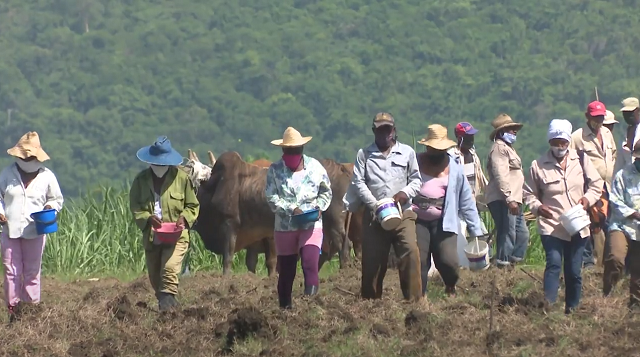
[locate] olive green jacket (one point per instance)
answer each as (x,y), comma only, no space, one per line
(178,198)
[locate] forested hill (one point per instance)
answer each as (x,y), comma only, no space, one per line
(100,78)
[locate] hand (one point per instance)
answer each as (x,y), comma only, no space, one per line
(514,208)
(319,212)
(584,202)
(181,222)
(401,198)
(155,222)
(297,210)
(636,216)
(3,219)
(545,212)
(47,207)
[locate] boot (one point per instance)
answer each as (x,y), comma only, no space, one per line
(12,314)
(166,301)
(285,303)
(311,290)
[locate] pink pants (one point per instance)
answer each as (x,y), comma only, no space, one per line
(22,261)
(289,243)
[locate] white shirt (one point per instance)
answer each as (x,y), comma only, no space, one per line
(624,157)
(19,203)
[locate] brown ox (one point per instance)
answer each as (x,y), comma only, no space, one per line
(234,213)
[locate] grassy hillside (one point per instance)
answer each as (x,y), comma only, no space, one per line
(99,79)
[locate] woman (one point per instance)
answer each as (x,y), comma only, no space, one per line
(296,183)
(503,193)
(445,193)
(163,193)
(26,186)
(556,184)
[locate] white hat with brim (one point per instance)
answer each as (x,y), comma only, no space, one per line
(291,138)
(29,146)
(610,118)
(503,121)
(630,104)
(437,138)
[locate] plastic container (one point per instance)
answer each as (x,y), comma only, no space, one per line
(388,214)
(575,219)
(477,253)
(169,233)
(307,216)
(46,221)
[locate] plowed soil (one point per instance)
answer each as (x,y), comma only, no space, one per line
(238,315)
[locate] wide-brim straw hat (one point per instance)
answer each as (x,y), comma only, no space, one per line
(437,138)
(291,138)
(503,121)
(29,146)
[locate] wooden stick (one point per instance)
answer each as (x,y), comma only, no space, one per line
(345,241)
(597,98)
(345,291)
(530,275)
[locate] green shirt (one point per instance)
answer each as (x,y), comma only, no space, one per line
(178,198)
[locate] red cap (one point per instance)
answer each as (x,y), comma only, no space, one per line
(596,109)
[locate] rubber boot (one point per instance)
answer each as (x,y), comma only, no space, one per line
(166,301)
(285,303)
(311,290)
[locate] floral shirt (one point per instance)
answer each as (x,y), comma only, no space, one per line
(287,190)
(625,200)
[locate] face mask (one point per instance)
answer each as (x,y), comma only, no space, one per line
(636,163)
(159,171)
(466,143)
(559,152)
(29,166)
(292,161)
(509,138)
(436,159)
(629,118)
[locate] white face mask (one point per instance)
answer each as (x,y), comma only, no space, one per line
(29,166)
(559,152)
(159,171)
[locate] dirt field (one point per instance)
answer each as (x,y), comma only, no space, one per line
(239,316)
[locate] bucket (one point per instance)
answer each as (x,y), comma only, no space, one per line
(477,253)
(575,219)
(307,216)
(388,213)
(46,221)
(169,233)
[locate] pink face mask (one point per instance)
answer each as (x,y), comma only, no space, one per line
(292,161)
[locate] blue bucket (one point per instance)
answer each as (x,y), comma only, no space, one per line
(305,217)
(46,221)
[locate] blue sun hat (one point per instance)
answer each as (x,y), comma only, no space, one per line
(160,153)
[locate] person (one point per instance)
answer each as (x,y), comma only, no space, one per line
(598,145)
(163,193)
(504,192)
(386,169)
(609,121)
(26,186)
(559,179)
(615,249)
(465,154)
(295,184)
(444,194)
(624,221)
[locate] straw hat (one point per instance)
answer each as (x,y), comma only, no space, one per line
(28,146)
(291,138)
(503,121)
(437,138)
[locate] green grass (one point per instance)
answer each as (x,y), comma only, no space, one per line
(97,237)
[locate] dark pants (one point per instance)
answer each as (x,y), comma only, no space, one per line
(376,244)
(512,234)
(556,250)
(443,246)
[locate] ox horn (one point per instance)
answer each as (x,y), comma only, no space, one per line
(190,155)
(195,156)
(212,159)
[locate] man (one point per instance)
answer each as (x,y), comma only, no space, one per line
(597,143)
(615,250)
(465,153)
(625,218)
(504,192)
(387,169)
(610,121)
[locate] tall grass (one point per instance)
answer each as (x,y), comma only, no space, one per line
(97,237)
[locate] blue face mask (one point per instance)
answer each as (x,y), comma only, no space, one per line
(636,163)
(509,138)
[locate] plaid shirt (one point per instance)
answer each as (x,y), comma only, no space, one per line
(283,196)
(625,200)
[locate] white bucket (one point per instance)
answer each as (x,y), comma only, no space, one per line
(388,214)
(477,253)
(575,219)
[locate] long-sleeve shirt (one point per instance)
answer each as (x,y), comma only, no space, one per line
(459,201)
(625,201)
(286,190)
(18,202)
(178,198)
(472,170)
(377,176)
(560,190)
(506,178)
(602,154)
(623,157)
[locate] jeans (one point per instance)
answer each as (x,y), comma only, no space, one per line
(512,236)
(556,250)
